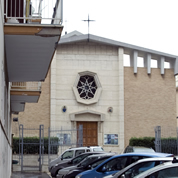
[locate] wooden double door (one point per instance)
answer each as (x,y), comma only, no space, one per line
(90,133)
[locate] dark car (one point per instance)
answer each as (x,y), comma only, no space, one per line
(87,164)
(72,162)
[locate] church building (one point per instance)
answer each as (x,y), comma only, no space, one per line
(90,85)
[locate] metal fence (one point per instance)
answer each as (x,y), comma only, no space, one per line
(30,146)
(166,140)
(36,150)
(66,138)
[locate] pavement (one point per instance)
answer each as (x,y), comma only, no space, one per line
(29,175)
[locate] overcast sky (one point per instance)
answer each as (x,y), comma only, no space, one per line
(148,23)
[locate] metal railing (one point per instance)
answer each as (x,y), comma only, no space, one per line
(30,86)
(34,11)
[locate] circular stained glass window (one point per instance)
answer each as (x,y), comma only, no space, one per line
(86,87)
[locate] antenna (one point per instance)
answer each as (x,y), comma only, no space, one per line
(88,24)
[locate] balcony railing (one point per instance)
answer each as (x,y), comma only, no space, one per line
(34,11)
(28,86)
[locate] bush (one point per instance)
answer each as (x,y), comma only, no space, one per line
(168,145)
(143,141)
(31,145)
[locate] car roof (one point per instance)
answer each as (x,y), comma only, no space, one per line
(157,168)
(102,154)
(85,147)
(150,154)
(139,149)
(144,160)
(91,153)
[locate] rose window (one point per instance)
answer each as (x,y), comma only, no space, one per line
(86,87)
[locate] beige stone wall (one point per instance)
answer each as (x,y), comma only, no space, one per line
(36,114)
(67,63)
(150,100)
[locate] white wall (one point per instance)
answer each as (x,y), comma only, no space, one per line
(67,63)
(5,126)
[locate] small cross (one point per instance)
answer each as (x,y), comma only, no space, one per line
(88,25)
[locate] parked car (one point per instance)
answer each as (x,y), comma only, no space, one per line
(93,160)
(118,162)
(139,167)
(165,170)
(130,149)
(70,153)
(72,162)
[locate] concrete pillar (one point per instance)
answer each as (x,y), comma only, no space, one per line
(133,61)
(161,65)
(121,99)
(147,63)
(175,66)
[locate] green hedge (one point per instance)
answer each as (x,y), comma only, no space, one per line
(143,141)
(32,148)
(168,145)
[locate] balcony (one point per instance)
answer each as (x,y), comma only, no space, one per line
(32,30)
(24,92)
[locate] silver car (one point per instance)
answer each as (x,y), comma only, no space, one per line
(165,170)
(139,167)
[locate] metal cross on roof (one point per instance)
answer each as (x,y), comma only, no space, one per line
(88,24)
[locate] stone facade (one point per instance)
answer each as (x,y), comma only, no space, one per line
(67,63)
(139,101)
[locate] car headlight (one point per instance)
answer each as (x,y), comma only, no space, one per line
(78,176)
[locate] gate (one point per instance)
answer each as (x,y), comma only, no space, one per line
(31,159)
(61,139)
(158,139)
(166,140)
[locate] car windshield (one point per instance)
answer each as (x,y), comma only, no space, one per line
(98,162)
(79,158)
(87,161)
(98,149)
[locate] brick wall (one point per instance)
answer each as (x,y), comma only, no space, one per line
(36,114)
(150,100)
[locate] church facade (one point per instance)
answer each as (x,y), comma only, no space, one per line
(88,85)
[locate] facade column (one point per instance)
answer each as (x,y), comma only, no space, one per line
(175,66)
(161,65)
(133,61)
(53,75)
(121,99)
(147,63)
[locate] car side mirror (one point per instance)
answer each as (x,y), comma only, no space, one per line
(123,176)
(103,169)
(89,167)
(61,158)
(70,162)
